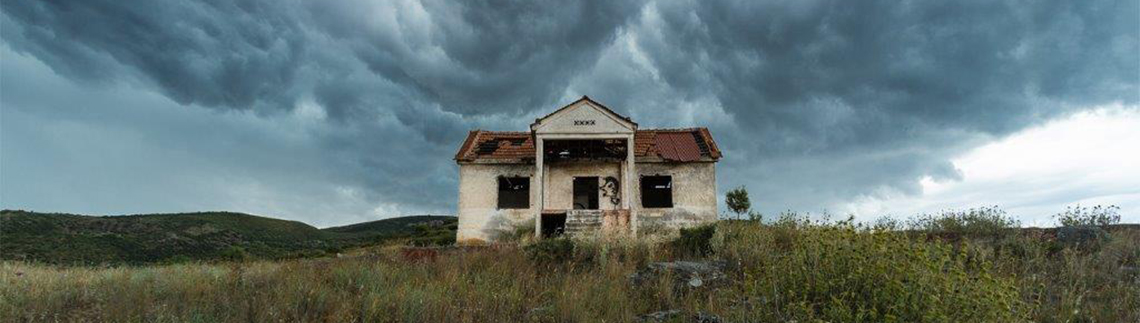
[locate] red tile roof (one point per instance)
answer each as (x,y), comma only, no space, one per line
(677,146)
(668,144)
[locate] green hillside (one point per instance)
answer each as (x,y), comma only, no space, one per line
(73,239)
(419,229)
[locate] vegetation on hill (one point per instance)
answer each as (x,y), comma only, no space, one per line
(958,267)
(151,238)
(419,229)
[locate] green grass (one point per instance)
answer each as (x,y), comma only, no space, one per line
(156,238)
(797,270)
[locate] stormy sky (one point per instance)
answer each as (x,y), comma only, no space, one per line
(334,112)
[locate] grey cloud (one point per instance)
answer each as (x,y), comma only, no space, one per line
(395,79)
(478,57)
(815,102)
(831,100)
(218,54)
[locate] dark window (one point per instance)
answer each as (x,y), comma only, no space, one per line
(657,191)
(570,150)
(514,192)
(553,225)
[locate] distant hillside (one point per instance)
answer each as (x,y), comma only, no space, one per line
(391,226)
(419,229)
(69,238)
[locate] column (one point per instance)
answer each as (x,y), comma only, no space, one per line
(628,183)
(538,170)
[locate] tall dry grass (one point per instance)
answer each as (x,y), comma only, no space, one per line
(792,270)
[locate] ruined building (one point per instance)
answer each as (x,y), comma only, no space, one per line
(598,172)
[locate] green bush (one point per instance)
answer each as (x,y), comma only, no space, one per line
(442,239)
(1084,216)
(555,251)
(236,253)
(694,242)
(846,273)
(973,222)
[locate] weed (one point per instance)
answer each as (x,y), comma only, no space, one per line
(694,242)
(1084,216)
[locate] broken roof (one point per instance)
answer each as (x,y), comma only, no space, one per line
(680,145)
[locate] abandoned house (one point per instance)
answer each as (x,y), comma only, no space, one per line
(584,169)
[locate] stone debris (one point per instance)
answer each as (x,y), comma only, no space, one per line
(670,315)
(703,317)
(686,274)
(659,316)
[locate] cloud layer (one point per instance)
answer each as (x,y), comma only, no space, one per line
(816,103)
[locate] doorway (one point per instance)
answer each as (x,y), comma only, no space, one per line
(553,224)
(585,193)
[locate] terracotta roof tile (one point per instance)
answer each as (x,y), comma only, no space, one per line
(669,144)
(677,146)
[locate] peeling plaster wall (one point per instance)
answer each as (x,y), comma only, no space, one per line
(560,183)
(480,219)
(694,195)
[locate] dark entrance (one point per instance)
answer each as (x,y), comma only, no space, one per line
(553,224)
(585,193)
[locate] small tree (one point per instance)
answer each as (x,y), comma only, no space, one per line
(737,200)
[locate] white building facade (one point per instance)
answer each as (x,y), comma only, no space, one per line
(585,169)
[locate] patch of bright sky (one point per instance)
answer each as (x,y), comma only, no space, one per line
(1089,158)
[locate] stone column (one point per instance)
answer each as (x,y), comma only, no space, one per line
(628,178)
(540,202)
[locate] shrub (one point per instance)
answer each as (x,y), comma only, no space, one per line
(1084,216)
(886,223)
(236,253)
(516,232)
(445,239)
(845,273)
(975,222)
(553,251)
(653,229)
(694,242)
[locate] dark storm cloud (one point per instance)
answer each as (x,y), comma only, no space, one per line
(219,54)
(831,100)
(815,102)
(468,57)
(481,56)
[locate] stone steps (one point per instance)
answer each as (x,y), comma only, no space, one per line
(580,222)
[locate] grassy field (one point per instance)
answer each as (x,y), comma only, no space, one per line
(966,269)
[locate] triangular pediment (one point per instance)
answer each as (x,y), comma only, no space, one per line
(583,116)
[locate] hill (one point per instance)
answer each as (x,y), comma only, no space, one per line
(418,229)
(390,226)
(149,238)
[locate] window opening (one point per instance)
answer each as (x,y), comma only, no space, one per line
(514,192)
(657,191)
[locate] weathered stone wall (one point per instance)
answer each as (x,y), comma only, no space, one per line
(479,217)
(560,183)
(694,195)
